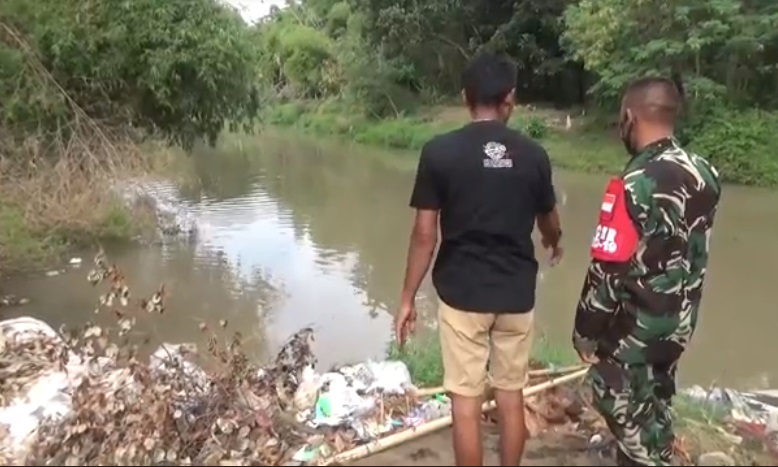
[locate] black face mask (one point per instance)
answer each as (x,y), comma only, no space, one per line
(626,127)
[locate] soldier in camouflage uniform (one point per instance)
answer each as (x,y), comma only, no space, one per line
(641,296)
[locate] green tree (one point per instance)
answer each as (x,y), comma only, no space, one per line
(182,69)
(724,49)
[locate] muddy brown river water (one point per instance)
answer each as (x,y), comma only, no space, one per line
(296,232)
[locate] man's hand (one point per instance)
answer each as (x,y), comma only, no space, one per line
(556,251)
(405,322)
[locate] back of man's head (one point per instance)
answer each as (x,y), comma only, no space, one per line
(488,80)
(654,99)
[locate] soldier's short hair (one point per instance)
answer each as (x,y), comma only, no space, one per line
(655,98)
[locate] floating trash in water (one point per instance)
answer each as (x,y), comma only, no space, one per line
(175,219)
(13,300)
(75,262)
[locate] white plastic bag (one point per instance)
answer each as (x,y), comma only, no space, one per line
(305,396)
(392,377)
(343,401)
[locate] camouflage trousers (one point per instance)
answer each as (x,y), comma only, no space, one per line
(635,401)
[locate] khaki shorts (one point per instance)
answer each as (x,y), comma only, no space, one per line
(471,340)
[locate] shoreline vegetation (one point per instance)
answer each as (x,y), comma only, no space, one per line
(93,96)
(573,140)
(582,147)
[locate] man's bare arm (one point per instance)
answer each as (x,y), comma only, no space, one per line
(550,228)
(424,239)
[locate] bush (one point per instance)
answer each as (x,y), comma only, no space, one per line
(535,127)
(740,144)
(184,69)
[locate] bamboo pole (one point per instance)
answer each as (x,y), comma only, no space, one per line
(426,392)
(396,439)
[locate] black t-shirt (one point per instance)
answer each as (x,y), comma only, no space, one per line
(489,183)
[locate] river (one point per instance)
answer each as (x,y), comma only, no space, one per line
(297,232)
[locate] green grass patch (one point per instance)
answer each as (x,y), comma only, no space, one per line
(422,356)
(21,246)
(736,143)
(687,408)
(582,150)
(24,247)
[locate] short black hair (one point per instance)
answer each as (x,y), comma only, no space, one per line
(488,79)
(656,98)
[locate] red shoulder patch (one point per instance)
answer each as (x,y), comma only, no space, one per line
(616,238)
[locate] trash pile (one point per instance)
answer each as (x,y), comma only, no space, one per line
(753,415)
(59,407)
(87,397)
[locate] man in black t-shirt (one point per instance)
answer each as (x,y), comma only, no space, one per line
(487,185)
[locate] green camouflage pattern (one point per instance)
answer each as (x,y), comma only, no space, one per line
(636,404)
(639,316)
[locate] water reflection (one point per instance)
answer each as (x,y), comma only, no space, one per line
(295,232)
(201,288)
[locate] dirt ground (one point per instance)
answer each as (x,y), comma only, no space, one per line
(550,448)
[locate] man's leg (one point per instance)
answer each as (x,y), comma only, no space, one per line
(637,412)
(464,339)
(511,346)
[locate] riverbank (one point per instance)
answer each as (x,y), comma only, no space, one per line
(74,199)
(180,406)
(575,147)
(703,427)
(76,128)
(573,140)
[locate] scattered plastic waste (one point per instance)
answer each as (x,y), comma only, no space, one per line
(744,406)
(306,454)
(75,262)
(754,414)
(439,406)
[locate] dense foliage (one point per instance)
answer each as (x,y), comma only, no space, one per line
(181,69)
(186,69)
(384,57)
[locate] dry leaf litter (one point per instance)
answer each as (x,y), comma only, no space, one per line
(78,398)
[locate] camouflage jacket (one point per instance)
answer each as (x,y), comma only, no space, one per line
(644,311)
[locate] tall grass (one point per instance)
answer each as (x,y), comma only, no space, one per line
(57,182)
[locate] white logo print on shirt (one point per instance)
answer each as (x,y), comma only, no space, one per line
(495,152)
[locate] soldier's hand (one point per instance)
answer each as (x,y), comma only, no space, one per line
(589,358)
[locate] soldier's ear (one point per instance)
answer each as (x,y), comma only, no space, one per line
(628,116)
